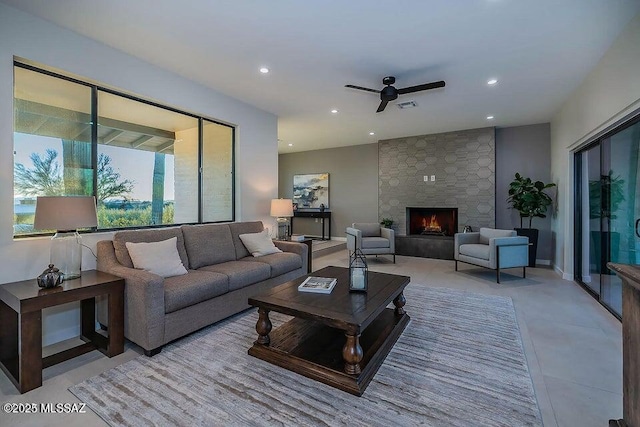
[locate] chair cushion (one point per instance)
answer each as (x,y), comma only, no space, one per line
(153,235)
(489,233)
(192,288)
(280,263)
(242,273)
(208,244)
(374,242)
(368,229)
(475,250)
(238,228)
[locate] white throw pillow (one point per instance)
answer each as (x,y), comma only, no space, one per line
(161,258)
(259,244)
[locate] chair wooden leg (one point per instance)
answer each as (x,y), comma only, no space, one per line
(394,258)
(524,272)
(498,274)
(456,265)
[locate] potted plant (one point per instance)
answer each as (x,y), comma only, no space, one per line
(530,200)
(386,222)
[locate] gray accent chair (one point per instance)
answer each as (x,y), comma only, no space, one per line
(492,248)
(371,239)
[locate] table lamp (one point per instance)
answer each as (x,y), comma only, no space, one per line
(66,214)
(282,209)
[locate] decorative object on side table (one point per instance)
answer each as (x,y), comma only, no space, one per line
(467,229)
(50,277)
(322,207)
(530,200)
(358,272)
(282,210)
(66,214)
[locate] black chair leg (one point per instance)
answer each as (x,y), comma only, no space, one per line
(524,272)
(394,258)
(498,274)
(456,265)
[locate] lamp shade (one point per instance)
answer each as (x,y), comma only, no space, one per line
(281,208)
(65,213)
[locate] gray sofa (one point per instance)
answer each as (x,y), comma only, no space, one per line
(221,276)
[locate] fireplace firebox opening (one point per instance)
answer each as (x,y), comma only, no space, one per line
(432,221)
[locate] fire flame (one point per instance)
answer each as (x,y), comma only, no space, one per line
(432,224)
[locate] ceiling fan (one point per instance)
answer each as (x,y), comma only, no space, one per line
(389,93)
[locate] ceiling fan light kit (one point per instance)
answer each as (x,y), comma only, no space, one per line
(390,93)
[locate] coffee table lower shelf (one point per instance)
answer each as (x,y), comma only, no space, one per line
(314,350)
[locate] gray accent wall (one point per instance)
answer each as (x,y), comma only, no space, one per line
(353,184)
(463,163)
(527,150)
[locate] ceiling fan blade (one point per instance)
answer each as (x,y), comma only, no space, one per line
(382,106)
(362,88)
(418,88)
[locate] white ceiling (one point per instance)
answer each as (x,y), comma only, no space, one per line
(539,50)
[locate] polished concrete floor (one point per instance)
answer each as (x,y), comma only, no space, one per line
(572,344)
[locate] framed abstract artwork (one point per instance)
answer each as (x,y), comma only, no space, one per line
(311,190)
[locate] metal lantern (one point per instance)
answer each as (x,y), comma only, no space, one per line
(358,272)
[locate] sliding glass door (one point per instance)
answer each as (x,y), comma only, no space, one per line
(608,212)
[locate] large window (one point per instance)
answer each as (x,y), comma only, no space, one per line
(147,165)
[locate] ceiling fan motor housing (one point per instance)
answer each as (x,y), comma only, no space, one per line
(388,93)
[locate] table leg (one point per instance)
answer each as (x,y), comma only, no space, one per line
(352,354)
(30,350)
(115,323)
(399,302)
(263,327)
(87,319)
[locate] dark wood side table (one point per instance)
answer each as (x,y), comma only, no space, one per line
(630,275)
(21,305)
(325,216)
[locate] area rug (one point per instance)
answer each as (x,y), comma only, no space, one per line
(458,363)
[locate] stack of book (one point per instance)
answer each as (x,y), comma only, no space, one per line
(297,237)
(318,285)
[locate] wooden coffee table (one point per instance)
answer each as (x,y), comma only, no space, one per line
(340,339)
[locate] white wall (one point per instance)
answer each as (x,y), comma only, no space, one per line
(609,94)
(37,40)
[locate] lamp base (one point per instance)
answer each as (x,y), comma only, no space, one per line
(66,253)
(283,228)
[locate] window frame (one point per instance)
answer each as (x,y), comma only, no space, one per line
(95,88)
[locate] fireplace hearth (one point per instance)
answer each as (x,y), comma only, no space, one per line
(422,221)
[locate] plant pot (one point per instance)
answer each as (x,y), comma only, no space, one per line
(532,234)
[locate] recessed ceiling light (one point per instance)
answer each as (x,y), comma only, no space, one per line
(489,117)
(492,82)
(264,70)
(372,133)
(334,111)
(290,145)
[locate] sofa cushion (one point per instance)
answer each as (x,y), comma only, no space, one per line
(475,250)
(193,288)
(159,258)
(374,242)
(238,228)
(280,263)
(154,235)
(368,229)
(259,244)
(208,244)
(489,233)
(241,273)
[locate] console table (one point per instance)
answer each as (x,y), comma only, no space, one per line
(21,305)
(324,217)
(630,275)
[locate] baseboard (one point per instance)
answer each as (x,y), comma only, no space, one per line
(565,276)
(543,262)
